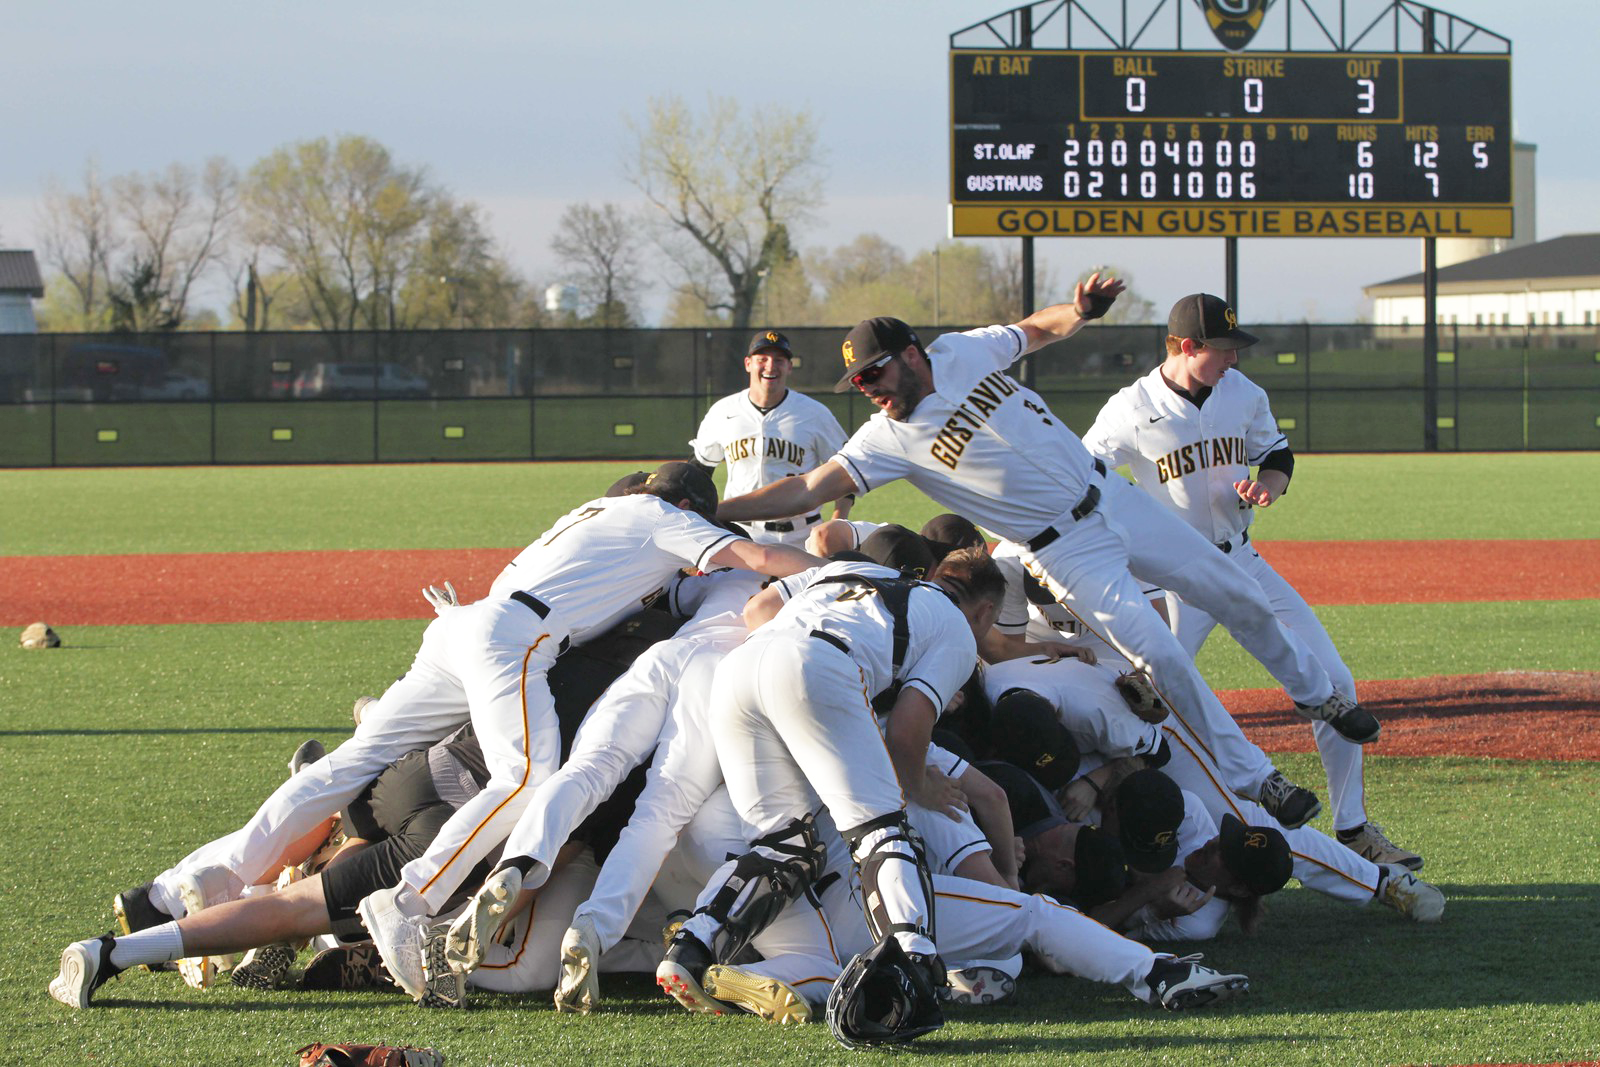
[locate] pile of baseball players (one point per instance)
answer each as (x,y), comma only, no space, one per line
(805,767)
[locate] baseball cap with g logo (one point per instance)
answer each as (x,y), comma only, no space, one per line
(770,341)
(1209,320)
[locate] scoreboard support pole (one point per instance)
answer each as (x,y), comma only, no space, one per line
(1430,306)
(1025,39)
(1230,270)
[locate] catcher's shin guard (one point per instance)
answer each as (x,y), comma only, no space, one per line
(876,843)
(777,870)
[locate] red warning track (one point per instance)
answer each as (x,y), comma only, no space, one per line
(285,586)
(1553,715)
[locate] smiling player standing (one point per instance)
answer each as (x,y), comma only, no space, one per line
(768,432)
(1190,431)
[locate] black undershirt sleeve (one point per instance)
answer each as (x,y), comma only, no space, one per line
(1281,460)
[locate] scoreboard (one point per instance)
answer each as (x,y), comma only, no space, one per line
(1228,144)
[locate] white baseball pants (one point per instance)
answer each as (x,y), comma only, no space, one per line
(1341,759)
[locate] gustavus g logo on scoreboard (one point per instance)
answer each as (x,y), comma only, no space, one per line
(1234,22)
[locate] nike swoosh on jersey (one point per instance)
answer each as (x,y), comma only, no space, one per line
(1157,418)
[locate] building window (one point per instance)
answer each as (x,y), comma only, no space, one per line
(1480,319)
(1588,318)
(1505,318)
(1561,318)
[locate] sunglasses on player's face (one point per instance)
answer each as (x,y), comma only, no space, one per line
(873,373)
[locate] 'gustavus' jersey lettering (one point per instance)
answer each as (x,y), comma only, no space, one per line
(986,397)
(774,448)
(787,451)
(1202,455)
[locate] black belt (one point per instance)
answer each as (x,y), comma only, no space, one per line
(823,635)
(788,526)
(1083,510)
(1227,546)
(541,609)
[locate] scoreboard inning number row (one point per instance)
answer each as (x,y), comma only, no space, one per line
(1227,144)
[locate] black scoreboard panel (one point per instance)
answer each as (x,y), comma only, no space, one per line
(1230,144)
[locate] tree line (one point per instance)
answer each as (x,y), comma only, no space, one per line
(337,234)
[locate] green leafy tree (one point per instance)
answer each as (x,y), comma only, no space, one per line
(372,243)
(728,188)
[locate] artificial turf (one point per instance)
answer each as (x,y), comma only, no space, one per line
(133,744)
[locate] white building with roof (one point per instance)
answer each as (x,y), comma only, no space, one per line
(1547,283)
(20,286)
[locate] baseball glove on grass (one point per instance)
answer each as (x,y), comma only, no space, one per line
(320,1055)
(1141,696)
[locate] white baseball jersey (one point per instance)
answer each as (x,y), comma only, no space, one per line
(1086,701)
(940,651)
(981,444)
(1188,457)
(796,436)
(603,561)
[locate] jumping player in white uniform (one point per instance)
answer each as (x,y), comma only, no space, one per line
(1190,431)
(768,432)
(952,423)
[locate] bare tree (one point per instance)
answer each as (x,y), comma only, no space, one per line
(177,223)
(729,187)
(78,240)
(601,253)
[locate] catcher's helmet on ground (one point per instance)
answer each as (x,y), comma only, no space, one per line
(884,997)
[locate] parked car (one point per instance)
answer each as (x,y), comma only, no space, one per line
(178,386)
(347,380)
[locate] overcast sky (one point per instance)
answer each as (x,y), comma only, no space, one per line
(520,106)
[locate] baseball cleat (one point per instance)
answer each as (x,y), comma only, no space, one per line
(681,972)
(1179,983)
(772,1000)
(1410,895)
(399,939)
(446,986)
(85,967)
(1370,842)
(979,984)
(578,990)
(1292,805)
(135,911)
(346,967)
(1352,721)
(308,753)
(265,968)
(471,934)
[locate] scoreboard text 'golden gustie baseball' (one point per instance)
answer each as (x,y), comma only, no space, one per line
(1290,144)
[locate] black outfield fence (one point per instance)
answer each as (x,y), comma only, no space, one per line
(199,398)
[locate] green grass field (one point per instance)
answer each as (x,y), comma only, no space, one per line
(132,744)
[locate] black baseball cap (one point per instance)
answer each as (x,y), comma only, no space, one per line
(626,482)
(1099,867)
(895,546)
(1257,855)
(770,341)
(948,532)
(873,341)
(1027,732)
(1209,320)
(1149,812)
(679,480)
